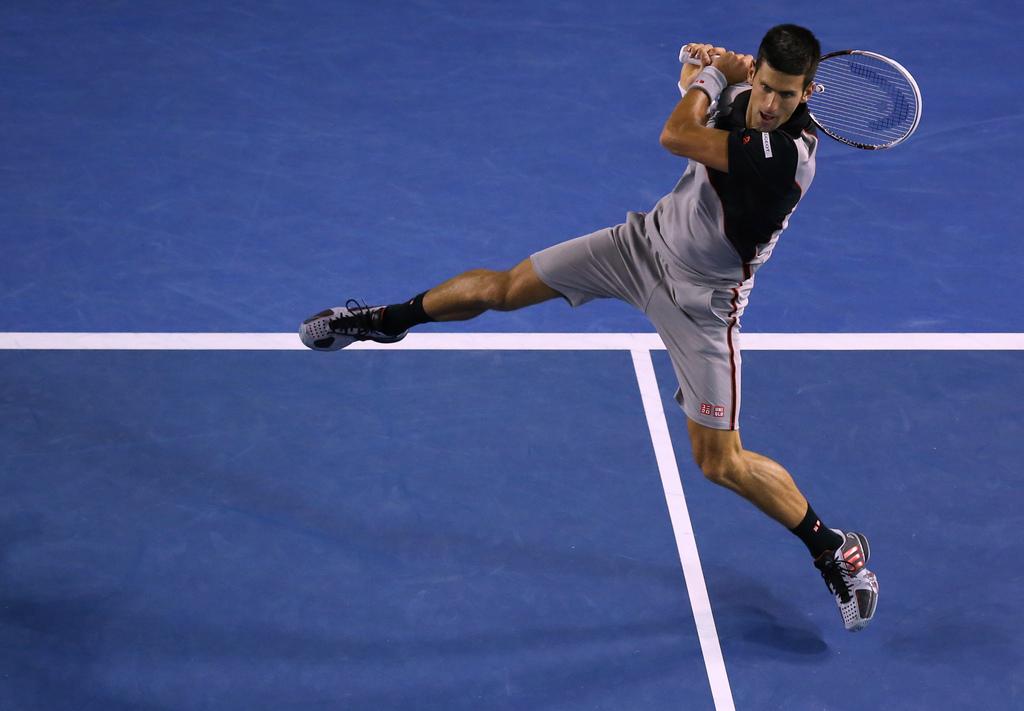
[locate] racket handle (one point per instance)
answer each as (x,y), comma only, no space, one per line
(685,58)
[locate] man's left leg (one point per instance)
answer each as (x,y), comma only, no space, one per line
(701,332)
(841,557)
(760,480)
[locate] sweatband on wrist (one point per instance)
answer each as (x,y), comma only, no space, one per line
(711,81)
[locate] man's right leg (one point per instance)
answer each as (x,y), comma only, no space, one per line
(458,299)
(614,262)
(474,292)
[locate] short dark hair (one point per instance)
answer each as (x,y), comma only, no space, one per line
(790,49)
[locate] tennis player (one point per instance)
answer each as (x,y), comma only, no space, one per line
(689,265)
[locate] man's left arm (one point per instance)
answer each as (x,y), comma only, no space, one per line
(686,135)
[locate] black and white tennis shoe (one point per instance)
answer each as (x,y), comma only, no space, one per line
(333,329)
(854,586)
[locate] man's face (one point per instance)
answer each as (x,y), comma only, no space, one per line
(774,97)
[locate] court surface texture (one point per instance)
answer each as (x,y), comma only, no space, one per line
(198,513)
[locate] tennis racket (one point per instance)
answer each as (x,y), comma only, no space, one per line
(862,99)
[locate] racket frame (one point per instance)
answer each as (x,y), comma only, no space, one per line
(819,88)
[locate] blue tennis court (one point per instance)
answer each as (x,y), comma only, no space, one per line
(198,513)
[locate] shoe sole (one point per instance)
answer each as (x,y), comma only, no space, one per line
(870,612)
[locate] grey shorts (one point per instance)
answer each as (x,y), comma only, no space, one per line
(698,324)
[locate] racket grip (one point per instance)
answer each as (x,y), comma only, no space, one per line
(685,58)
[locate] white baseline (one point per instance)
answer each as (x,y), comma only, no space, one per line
(512,342)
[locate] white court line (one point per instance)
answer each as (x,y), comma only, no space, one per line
(686,543)
(514,341)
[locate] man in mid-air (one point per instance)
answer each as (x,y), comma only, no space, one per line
(689,265)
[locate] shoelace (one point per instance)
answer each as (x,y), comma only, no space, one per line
(835,573)
(359,319)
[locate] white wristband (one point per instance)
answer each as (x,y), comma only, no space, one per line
(711,81)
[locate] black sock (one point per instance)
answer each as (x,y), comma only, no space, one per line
(816,536)
(402,317)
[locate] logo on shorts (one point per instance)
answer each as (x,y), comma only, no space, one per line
(710,410)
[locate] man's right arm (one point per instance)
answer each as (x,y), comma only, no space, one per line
(686,135)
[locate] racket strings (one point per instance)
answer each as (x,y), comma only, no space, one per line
(864,100)
(902,109)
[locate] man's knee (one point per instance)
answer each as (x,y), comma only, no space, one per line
(522,287)
(722,469)
(495,289)
(510,290)
(718,453)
